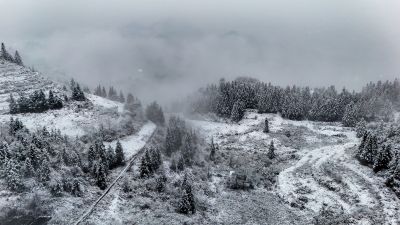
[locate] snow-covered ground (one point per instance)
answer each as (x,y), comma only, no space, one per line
(326,172)
(133,143)
(106,103)
(69,120)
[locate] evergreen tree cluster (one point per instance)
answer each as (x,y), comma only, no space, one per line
(7,56)
(379,148)
(34,155)
(112,93)
(150,162)
(53,160)
(133,104)
(181,143)
(77,93)
(102,160)
(373,153)
(229,99)
(37,102)
(155,113)
(175,131)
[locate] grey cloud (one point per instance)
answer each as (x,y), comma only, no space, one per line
(165,49)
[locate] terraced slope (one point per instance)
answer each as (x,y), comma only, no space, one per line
(18,79)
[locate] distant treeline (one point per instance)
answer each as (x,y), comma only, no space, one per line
(7,56)
(112,94)
(229,99)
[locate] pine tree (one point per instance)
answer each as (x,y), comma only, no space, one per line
(41,102)
(77,93)
(160,183)
(382,158)
(130,99)
(13,105)
(188,149)
(98,91)
(15,126)
(101,176)
(54,102)
(156,161)
(4,54)
(266,126)
(361,128)
(351,115)
(121,97)
(92,155)
(362,145)
(119,154)
(4,154)
(174,165)
(43,173)
(13,176)
(169,142)
(186,204)
(237,111)
(368,149)
(18,59)
(145,165)
(104,92)
(213,150)
(28,168)
(155,113)
(111,157)
(112,94)
(34,153)
(181,164)
(271,151)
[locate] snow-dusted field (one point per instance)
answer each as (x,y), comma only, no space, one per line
(69,121)
(324,173)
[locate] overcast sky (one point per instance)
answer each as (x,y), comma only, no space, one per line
(159,48)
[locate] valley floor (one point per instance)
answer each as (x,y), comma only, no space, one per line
(314,166)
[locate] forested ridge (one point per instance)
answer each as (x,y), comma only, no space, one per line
(376,101)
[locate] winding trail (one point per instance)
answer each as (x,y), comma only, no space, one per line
(134,146)
(330,175)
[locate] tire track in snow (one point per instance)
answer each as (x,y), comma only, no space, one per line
(290,179)
(365,187)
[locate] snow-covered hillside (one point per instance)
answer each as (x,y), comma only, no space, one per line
(71,120)
(18,79)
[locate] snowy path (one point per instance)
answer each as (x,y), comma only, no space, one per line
(332,176)
(133,145)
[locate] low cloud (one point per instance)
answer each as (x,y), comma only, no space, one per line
(165,49)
